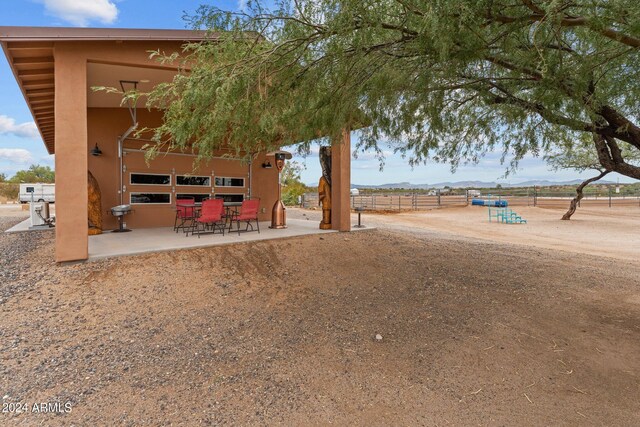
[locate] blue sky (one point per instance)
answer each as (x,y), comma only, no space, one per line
(21,146)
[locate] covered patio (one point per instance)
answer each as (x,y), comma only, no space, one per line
(147,240)
(100,158)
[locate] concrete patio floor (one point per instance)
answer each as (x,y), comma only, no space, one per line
(148,240)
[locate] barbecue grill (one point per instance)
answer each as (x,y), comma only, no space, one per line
(119,212)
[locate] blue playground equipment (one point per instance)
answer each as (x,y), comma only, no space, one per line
(505,216)
(495,203)
(498,209)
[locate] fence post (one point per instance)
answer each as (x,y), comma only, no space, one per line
(535,196)
(438,198)
(609,196)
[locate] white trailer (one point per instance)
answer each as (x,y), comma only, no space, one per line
(37,193)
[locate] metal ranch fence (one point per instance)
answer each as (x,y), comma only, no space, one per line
(530,197)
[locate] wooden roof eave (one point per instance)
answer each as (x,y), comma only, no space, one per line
(48,140)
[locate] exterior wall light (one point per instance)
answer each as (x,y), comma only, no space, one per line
(96,151)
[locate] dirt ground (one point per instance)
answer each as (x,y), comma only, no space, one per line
(13,210)
(599,231)
(473,331)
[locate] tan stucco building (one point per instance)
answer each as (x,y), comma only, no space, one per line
(56,69)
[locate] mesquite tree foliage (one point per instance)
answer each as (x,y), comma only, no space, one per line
(446,79)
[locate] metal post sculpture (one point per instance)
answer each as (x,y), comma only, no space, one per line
(324,188)
(279,212)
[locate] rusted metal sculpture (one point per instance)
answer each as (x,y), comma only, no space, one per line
(95,206)
(324,188)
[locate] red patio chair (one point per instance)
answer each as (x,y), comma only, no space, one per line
(210,217)
(185,213)
(248,212)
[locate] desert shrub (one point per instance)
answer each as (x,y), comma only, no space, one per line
(9,191)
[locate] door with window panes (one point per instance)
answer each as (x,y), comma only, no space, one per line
(152,189)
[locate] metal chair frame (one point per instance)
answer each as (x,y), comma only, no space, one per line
(237,216)
(183,217)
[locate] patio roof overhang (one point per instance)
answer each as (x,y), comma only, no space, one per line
(30,52)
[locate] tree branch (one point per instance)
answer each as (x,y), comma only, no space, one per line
(567,21)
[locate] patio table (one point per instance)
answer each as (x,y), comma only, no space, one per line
(229,206)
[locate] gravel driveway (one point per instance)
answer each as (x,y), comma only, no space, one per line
(17,250)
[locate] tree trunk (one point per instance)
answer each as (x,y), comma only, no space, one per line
(579,195)
(610,156)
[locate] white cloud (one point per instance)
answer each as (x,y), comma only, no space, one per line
(26,130)
(81,12)
(15,155)
(371,155)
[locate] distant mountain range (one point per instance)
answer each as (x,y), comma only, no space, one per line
(474,184)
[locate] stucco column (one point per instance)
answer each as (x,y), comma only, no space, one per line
(71,154)
(341,182)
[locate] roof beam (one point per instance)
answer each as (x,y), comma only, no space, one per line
(35,93)
(43,108)
(38,83)
(33,60)
(36,73)
(41,100)
(29,45)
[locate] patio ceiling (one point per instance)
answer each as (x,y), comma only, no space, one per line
(31,55)
(109,75)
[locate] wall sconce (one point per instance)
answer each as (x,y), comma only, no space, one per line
(96,151)
(267,165)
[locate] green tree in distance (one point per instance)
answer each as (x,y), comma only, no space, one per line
(583,157)
(35,173)
(292,186)
(448,80)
